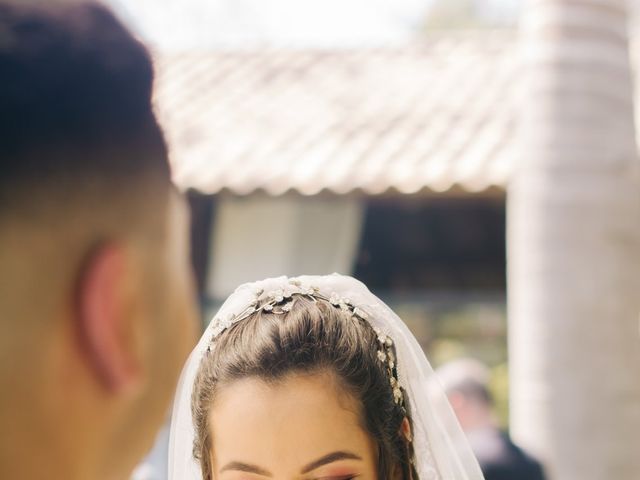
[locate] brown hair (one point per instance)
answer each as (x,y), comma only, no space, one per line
(313,336)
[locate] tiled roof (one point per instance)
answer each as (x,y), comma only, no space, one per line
(433,115)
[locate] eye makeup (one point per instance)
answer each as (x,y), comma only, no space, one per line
(338,477)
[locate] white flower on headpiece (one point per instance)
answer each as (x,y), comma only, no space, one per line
(397,395)
(360,313)
(287,307)
(345,304)
(392,359)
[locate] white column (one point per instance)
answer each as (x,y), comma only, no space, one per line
(574,246)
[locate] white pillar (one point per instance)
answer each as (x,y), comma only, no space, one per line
(574,246)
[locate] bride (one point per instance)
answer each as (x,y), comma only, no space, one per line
(312,378)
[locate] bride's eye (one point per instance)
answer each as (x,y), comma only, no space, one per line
(341,477)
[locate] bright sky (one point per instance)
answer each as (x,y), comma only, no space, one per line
(185,24)
(189,23)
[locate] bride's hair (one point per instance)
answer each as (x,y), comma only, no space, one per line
(314,336)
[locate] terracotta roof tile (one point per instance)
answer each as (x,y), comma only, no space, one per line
(432,115)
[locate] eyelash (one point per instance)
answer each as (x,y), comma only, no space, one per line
(345,477)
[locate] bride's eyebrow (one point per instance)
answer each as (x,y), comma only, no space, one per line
(245,467)
(330,458)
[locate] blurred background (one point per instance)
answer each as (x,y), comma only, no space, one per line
(404,142)
(367,138)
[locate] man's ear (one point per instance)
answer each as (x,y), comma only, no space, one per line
(105,306)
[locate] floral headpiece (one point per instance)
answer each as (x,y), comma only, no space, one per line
(280,302)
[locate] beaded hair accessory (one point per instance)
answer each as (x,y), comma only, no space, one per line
(280,302)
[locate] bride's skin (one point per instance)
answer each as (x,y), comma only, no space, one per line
(300,428)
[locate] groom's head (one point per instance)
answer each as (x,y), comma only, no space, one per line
(95,284)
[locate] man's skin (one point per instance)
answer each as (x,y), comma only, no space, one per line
(97,310)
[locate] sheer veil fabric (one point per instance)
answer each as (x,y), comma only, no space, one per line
(441,449)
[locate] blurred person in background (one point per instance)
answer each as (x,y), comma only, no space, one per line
(466,382)
(96,302)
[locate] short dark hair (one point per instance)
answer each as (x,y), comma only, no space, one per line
(75,99)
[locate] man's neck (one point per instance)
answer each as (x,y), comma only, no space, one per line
(27,452)
(40,437)
(31,464)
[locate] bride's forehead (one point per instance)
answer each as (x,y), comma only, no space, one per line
(320,386)
(306,400)
(302,413)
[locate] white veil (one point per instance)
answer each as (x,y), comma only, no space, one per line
(441,449)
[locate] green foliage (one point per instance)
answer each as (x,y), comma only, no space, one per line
(499,387)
